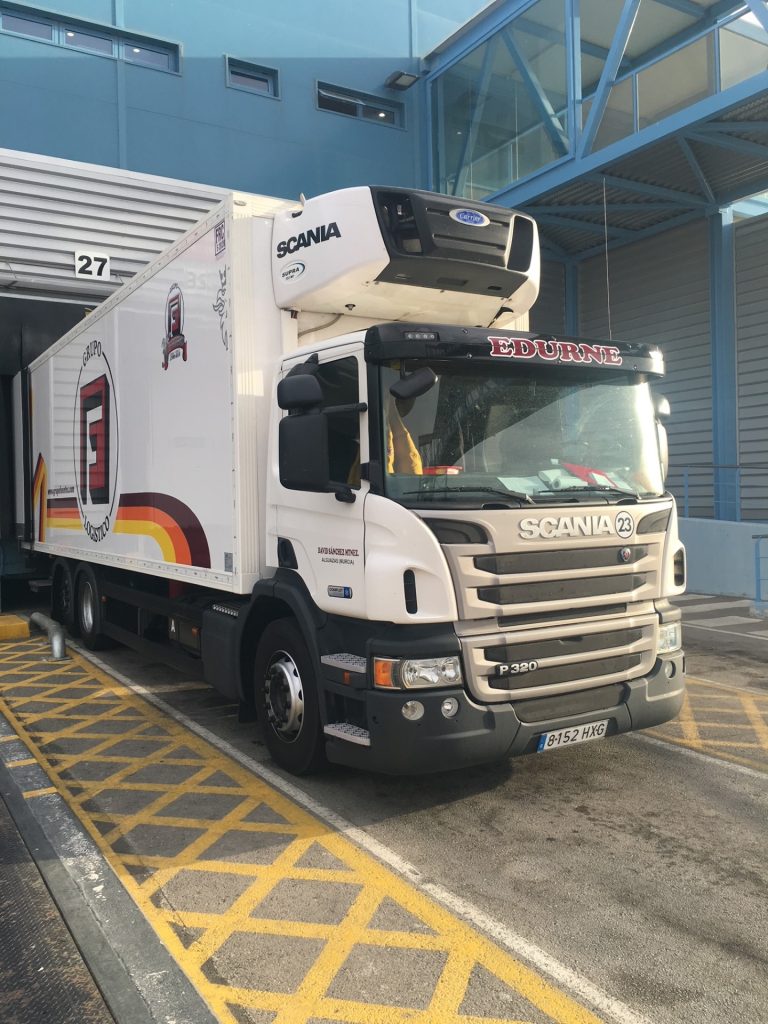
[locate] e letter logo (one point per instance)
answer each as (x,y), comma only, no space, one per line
(95,438)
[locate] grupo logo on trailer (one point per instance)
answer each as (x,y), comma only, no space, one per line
(174,342)
(95,442)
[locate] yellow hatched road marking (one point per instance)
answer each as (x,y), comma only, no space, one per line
(100,784)
(31,793)
(712,715)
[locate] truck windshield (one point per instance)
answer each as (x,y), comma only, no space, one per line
(487,434)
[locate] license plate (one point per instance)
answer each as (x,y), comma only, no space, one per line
(573,734)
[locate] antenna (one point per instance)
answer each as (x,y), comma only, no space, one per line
(607,275)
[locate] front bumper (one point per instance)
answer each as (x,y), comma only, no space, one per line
(481,734)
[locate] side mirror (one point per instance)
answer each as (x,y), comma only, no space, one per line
(300,392)
(415,384)
(303,451)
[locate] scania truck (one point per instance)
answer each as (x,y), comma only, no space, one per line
(309,449)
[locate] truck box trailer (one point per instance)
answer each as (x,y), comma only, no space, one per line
(307,447)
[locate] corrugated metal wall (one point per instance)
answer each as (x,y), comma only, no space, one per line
(752,350)
(548,313)
(660,293)
(49,208)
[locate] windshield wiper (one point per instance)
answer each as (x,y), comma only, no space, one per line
(591,489)
(520,495)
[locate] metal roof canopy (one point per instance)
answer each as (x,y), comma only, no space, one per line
(49,208)
(708,155)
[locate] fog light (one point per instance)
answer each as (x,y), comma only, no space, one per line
(450,707)
(413,710)
(669,669)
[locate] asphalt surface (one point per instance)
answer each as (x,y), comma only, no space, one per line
(636,864)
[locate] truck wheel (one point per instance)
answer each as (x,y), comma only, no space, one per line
(285,694)
(89,615)
(63,595)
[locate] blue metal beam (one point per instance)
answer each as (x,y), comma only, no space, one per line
(695,166)
(733,126)
(585,225)
(731,142)
(760,11)
(637,236)
(476,117)
(725,436)
(550,120)
(608,77)
(597,208)
(644,189)
(552,177)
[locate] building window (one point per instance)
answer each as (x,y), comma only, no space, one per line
(90,38)
(242,74)
(358,104)
(88,41)
(138,53)
(27,26)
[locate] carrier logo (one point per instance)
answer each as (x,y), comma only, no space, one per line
(552,527)
(552,350)
(311,237)
(472,217)
(174,343)
(95,442)
(292,271)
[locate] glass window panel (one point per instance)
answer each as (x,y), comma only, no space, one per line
(139,54)
(493,110)
(598,19)
(677,81)
(87,41)
(619,115)
(381,114)
(27,26)
(743,50)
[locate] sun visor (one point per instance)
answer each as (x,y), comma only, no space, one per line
(400,254)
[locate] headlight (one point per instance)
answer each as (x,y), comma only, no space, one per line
(670,637)
(416,673)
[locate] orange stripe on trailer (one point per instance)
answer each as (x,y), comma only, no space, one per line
(145,514)
(39,487)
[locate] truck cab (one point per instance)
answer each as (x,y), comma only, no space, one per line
(484,511)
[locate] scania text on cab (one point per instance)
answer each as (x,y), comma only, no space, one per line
(404,533)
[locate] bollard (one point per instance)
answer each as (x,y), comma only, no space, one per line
(55,634)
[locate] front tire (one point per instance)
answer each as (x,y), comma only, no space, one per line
(89,609)
(286,698)
(63,595)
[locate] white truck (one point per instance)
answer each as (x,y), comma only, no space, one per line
(307,447)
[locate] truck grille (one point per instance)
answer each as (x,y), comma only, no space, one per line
(579,608)
(567,657)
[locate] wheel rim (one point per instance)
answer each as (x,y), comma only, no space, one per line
(87,611)
(284,697)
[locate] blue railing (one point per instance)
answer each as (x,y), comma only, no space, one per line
(731,492)
(761,575)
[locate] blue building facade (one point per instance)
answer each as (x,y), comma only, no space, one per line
(270,98)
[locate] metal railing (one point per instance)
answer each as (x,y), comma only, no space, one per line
(761,581)
(731,492)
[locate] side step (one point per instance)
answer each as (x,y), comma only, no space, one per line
(345,662)
(349,732)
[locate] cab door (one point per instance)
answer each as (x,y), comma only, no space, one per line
(326,534)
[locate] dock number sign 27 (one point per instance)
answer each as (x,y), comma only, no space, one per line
(91,265)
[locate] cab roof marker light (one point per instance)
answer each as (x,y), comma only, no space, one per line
(421,335)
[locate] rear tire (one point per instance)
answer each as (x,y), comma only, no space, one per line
(63,596)
(286,699)
(89,609)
